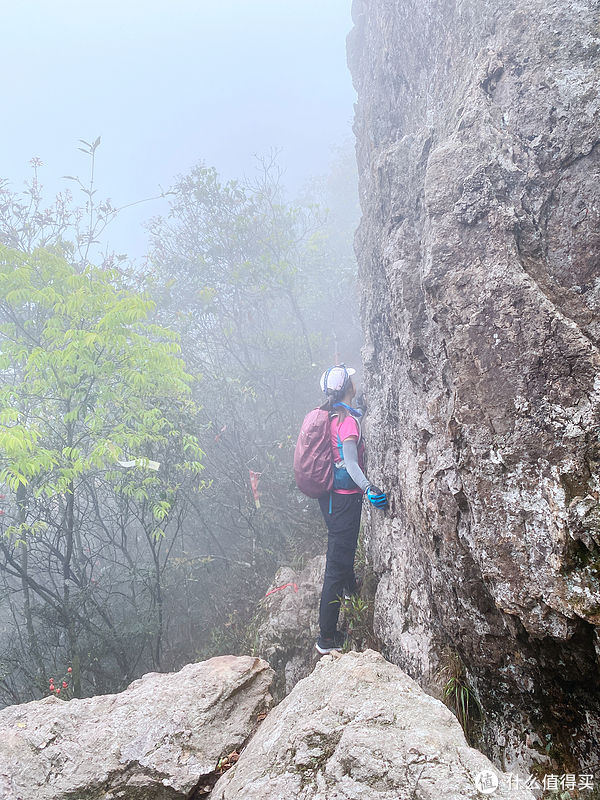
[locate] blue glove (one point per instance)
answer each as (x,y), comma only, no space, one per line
(376,496)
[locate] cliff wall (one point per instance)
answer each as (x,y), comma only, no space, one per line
(478,125)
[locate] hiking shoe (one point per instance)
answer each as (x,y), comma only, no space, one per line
(327,645)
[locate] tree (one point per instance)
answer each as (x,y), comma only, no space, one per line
(329,262)
(252,284)
(28,221)
(257,291)
(94,397)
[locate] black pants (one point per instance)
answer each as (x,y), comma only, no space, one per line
(342,524)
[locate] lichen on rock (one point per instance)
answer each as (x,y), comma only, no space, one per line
(358,728)
(157,740)
(287,624)
(478,125)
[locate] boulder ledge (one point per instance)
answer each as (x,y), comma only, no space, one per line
(359,728)
(157,740)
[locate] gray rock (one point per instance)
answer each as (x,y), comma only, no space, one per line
(289,625)
(360,729)
(478,132)
(156,740)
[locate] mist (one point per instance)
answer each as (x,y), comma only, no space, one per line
(169,84)
(178,200)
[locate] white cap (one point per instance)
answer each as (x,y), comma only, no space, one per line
(336,377)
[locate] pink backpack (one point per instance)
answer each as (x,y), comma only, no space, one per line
(313,463)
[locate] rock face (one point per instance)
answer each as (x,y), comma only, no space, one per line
(290,624)
(478,132)
(157,740)
(358,728)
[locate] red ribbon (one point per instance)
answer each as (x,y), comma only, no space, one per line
(279,588)
(254,478)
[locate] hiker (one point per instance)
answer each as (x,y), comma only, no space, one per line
(341,507)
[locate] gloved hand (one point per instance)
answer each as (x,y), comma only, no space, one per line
(376,496)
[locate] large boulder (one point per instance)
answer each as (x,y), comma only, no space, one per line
(288,624)
(358,728)
(478,133)
(158,740)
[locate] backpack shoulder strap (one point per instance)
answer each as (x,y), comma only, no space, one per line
(359,432)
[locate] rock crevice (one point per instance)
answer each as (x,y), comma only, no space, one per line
(359,728)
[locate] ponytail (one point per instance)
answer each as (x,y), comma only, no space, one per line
(340,411)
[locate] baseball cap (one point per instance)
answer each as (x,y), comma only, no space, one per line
(336,378)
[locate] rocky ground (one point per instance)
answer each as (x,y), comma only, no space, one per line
(357,728)
(160,739)
(287,624)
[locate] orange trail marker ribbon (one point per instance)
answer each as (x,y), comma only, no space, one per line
(254,477)
(220,433)
(279,588)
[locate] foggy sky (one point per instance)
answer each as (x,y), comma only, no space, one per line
(168,83)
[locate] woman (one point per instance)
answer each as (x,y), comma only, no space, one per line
(342,507)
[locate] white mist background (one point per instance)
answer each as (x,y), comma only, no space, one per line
(169,83)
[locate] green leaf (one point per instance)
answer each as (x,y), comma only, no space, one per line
(101,380)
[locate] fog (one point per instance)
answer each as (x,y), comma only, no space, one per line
(157,362)
(166,84)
